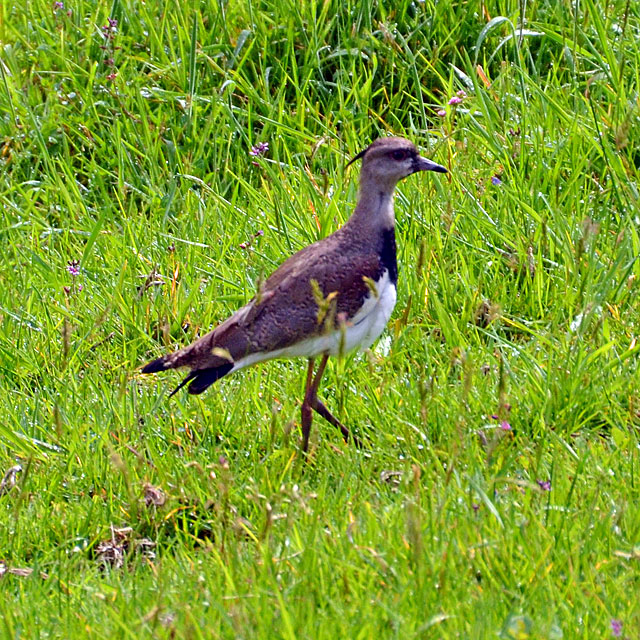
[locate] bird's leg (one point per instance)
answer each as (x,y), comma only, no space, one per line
(311,399)
(318,406)
(319,374)
(306,409)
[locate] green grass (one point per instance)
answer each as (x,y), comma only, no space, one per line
(517,300)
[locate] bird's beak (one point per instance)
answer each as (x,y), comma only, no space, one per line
(422,164)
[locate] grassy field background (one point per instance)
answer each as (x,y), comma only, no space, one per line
(498,495)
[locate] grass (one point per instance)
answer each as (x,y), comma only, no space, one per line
(126,149)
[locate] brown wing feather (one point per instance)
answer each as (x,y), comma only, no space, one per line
(285,311)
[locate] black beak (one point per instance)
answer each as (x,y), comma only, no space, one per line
(422,164)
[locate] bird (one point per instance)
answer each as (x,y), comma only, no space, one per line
(331,297)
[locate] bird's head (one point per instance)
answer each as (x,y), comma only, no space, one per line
(388,160)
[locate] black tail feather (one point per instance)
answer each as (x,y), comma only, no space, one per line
(190,377)
(159,364)
(202,379)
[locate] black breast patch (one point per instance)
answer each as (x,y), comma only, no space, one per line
(388,254)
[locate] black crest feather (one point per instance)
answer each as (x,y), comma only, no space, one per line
(357,157)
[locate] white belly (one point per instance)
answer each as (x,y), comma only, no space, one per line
(360,333)
(370,321)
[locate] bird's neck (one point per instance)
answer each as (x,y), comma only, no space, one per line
(374,211)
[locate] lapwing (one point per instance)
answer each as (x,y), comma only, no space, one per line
(332,297)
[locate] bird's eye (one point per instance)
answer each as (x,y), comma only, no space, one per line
(399,155)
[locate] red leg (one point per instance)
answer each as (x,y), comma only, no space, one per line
(320,408)
(312,402)
(305,410)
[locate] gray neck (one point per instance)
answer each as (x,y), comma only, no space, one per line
(374,211)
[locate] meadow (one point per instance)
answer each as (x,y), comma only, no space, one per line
(497,495)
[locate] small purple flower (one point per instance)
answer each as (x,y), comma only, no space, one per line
(109,29)
(505,426)
(442,112)
(73,268)
(455,100)
(461,94)
(475,506)
(259,149)
(58,5)
(545,485)
(495,181)
(616,627)
(112,76)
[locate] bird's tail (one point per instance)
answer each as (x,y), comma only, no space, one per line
(159,364)
(198,379)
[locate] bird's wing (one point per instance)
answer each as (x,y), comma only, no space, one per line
(285,310)
(298,302)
